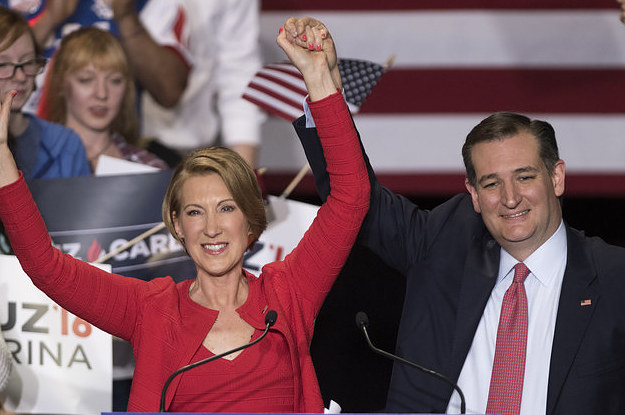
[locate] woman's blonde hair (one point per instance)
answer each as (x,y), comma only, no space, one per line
(90,45)
(236,174)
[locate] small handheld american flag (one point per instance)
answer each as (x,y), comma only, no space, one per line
(279,88)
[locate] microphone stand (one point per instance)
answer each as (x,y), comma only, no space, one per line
(362,321)
(269,321)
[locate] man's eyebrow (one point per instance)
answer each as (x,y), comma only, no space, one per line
(526,169)
(488,177)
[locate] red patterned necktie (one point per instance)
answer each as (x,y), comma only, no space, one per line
(506,383)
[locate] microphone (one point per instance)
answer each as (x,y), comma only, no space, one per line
(270,320)
(362,321)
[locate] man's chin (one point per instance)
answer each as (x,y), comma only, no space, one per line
(516,241)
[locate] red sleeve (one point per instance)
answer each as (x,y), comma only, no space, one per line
(108,301)
(315,263)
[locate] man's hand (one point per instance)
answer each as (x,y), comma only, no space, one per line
(54,14)
(122,8)
(161,71)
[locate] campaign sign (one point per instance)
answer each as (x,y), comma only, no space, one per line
(289,220)
(88,217)
(61,363)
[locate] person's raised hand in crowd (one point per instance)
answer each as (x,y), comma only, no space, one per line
(123,7)
(55,13)
(311,34)
(158,68)
(8,169)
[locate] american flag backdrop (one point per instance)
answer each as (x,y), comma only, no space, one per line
(458,61)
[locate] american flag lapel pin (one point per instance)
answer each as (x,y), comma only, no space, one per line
(584,303)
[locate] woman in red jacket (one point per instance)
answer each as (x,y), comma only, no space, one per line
(214,208)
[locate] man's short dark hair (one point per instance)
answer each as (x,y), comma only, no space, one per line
(501,125)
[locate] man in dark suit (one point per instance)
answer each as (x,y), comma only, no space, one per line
(459,262)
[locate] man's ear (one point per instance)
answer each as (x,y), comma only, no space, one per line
(557,177)
(474,197)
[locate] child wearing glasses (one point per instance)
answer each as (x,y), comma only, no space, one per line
(41,149)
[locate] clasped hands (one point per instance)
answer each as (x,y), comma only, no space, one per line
(310,47)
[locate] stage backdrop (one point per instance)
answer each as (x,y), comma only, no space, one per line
(458,61)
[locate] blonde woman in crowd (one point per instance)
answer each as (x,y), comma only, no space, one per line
(90,89)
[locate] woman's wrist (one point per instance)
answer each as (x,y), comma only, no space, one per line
(8,170)
(320,87)
(336,77)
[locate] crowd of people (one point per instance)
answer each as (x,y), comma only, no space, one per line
(184,64)
(518,309)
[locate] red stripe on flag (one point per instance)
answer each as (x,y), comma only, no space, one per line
(406,91)
(443,185)
(389,5)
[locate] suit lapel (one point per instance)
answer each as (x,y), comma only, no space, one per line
(578,300)
(478,279)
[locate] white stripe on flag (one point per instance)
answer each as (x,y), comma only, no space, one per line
(432,142)
(469,38)
(278,89)
(270,101)
(295,80)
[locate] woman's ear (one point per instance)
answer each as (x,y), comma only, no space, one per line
(176,222)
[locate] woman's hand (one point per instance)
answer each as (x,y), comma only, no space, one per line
(8,170)
(309,33)
(310,47)
(5,109)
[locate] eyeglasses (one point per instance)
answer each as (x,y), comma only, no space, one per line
(31,67)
